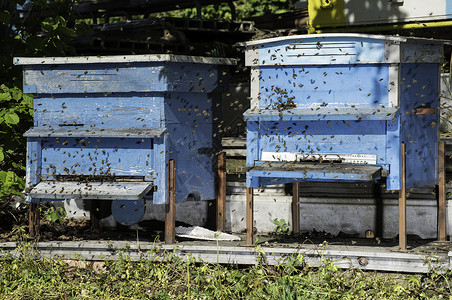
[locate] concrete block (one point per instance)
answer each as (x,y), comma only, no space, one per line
(267,208)
(355,216)
(190,212)
(449,218)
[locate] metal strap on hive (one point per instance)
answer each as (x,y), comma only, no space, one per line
(317,171)
(91,190)
(106,133)
(321,113)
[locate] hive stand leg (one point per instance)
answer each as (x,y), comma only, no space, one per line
(221,192)
(170,207)
(296,208)
(377,195)
(249,216)
(95,215)
(402,204)
(33,220)
(441,193)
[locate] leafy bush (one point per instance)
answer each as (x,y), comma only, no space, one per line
(244,9)
(28,276)
(25,35)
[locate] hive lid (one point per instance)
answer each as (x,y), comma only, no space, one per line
(123,59)
(397,39)
(91,190)
(42,132)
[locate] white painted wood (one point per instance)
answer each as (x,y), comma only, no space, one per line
(343,157)
(394,11)
(400,39)
(252,56)
(254,85)
(392,52)
(394,85)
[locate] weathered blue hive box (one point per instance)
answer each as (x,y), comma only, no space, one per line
(106,127)
(337,107)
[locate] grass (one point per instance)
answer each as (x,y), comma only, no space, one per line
(26,276)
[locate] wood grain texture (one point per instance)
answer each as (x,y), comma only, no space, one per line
(92,190)
(170,209)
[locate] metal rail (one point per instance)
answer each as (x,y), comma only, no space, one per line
(359,257)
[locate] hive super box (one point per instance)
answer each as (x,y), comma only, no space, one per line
(106,127)
(337,107)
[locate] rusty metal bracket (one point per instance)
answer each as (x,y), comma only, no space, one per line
(423,111)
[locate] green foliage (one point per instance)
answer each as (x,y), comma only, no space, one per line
(281,226)
(26,35)
(55,214)
(244,9)
(27,276)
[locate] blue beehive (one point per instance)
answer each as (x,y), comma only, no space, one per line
(106,127)
(337,107)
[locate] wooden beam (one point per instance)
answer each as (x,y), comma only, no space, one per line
(33,220)
(441,193)
(296,208)
(249,216)
(221,192)
(170,208)
(402,203)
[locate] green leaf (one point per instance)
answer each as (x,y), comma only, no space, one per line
(5,96)
(4,88)
(35,42)
(28,98)
(17,94)
(66,31)
(5,16)
(11,118)
(2,155)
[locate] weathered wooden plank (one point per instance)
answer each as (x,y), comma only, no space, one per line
(442,224)
(123,59)
(293,172)
(233,142)
(221,192)
(91,190)
(170,209)
(249,216)
(235,152)
(402,203)
(322,114)
(34,220)
(73,131)
(296,208)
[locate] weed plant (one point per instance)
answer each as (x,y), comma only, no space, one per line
(25,275)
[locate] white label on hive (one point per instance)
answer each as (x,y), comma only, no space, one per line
(370,159)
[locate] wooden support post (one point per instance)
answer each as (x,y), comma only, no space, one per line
(296,208)
(95,215)
(33,220)
(170,207)
(441,193)
(402,204)
(249,216)
(221,192)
